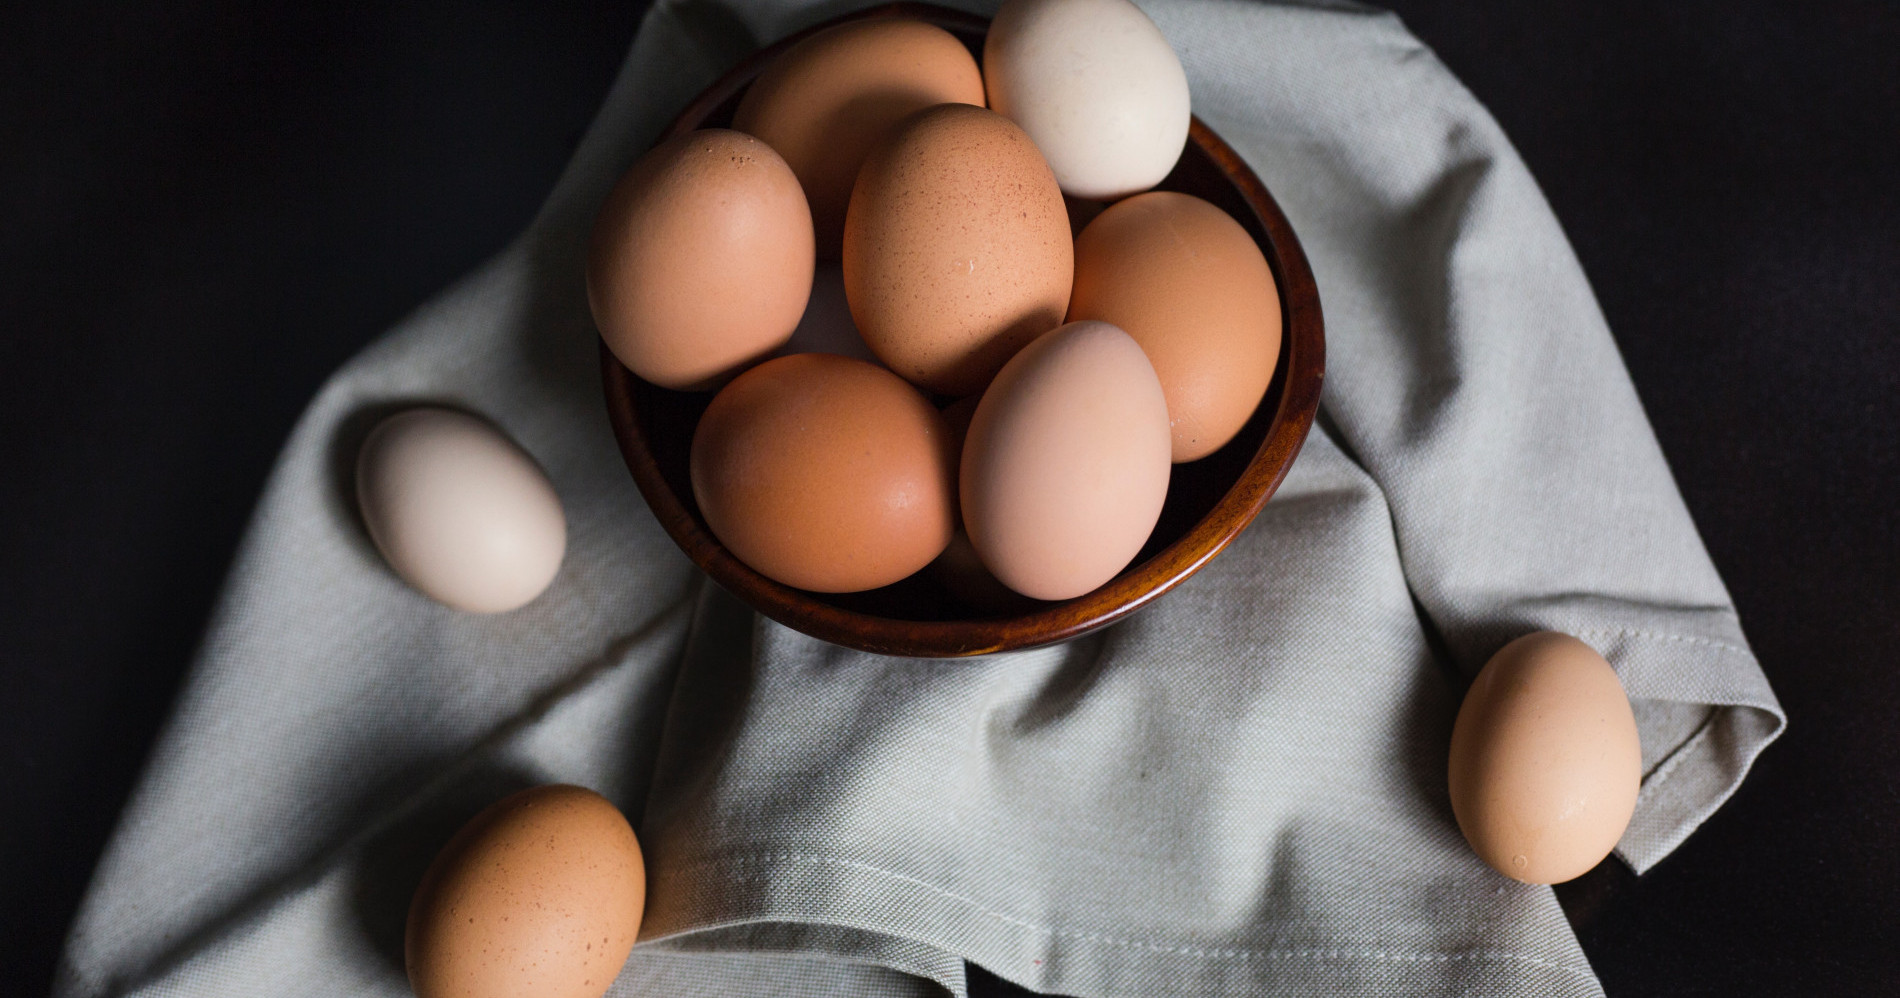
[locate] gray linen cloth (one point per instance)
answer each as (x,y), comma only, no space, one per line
(1240,791)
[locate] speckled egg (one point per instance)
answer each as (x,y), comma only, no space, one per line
(957,249)
(540,894)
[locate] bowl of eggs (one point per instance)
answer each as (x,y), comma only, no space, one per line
(933,336)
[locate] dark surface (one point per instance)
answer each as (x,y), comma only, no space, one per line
(1209,502)
(208,207)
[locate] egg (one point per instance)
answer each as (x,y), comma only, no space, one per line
(825,473)
(956,248)
(540,894)
(1192,287)
(1066,464)
(1545,760)
(458,510)
(828,99)
(1096,85)
(701,259)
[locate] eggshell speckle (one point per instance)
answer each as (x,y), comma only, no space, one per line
(459,511)
(1545,760)
(956,248)
(1188,283)
(1066,464)
(828,99)
(540,894)
(1096,85)
(825,473)
(701,259)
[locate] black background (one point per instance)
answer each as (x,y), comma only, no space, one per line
(209,206)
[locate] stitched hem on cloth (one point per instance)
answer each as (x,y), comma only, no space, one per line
(731,865)
(1700,772)
(1660,636)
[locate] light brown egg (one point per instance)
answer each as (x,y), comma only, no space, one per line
(1066,464)
(459,510)
(540,894)
(1188,283)
(956,248)
(830,98)
(701,259)
(1545,760)
(825,473)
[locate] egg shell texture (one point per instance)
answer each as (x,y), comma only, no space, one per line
(458,510)
(828,99)
(956,248)
(701,259)
(825,473)
(540,894)
(1192,287)
(1545,760)
(1066,464)
(1096,85)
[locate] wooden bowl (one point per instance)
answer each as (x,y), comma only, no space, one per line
(1209,501)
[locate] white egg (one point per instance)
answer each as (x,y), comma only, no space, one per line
(460,511)
(1097,86)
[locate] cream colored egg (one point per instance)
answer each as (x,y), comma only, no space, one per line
(459,510)
(1097,86)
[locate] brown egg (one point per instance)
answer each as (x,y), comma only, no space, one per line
(540,894)
(1066,464)
(701,259)
(956,248)
(825,473)
(1188,283)
(830,98)
(1545,760)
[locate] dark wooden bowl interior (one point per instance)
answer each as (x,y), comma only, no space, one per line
(1209,501)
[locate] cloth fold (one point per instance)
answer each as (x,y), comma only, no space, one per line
(1239,791)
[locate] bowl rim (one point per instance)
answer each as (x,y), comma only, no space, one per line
(1137,586)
